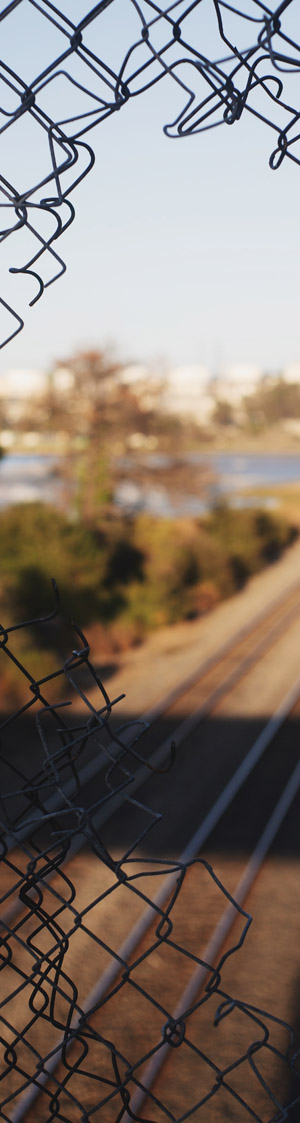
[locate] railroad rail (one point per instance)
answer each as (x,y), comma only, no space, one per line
(232,662)
(217,676)
(281,616)
(194,989)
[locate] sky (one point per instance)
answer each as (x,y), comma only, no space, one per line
(182,250)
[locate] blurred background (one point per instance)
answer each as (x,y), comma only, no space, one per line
(158,381)
(150,463)
(151,494)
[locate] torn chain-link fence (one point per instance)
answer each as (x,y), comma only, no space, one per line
(99,949)
(221,60)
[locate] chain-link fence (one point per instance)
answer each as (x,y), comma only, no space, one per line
(244,64)
(100,950)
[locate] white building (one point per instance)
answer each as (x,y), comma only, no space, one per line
(291,373)
(62,379)
(18,388)
(237,381)
(186,393)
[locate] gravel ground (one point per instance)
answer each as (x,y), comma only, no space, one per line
(265,973)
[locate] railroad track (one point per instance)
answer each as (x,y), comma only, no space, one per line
(132,949)
(199,694)
(233,663)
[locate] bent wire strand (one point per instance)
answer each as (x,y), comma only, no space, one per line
(71,1051)
(168,43)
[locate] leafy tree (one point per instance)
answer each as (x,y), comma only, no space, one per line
(272,402)
(223,413)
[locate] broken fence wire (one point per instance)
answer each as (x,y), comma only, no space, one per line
(83,1050)
(246,68)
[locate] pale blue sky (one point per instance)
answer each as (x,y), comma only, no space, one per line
(184,250)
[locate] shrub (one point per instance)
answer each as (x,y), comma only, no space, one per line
(129,575)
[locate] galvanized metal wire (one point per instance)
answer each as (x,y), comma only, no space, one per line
(58,1041)
(245,69)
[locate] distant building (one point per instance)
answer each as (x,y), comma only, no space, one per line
(145,382)
(134,374)
(236,382)
(291,373)
(185,393)
(18,388)
(62,379)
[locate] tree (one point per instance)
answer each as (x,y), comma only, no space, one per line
(223,413)
(80,390)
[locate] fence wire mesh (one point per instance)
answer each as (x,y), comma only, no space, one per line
(91,990)
(222,60)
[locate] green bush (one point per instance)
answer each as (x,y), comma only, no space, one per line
(130,575)
(249,538)
(37,543)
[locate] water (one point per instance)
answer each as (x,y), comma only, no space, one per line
(232,472)
(237,471)
(26,478)
(29,477)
